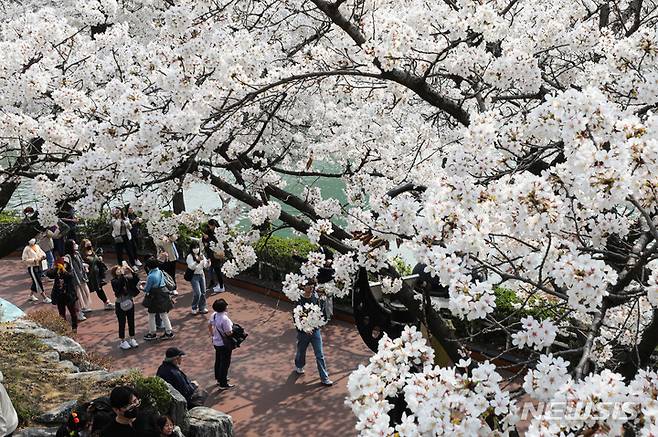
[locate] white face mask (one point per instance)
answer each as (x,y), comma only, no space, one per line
(195,250)
(32,242)
(75,247)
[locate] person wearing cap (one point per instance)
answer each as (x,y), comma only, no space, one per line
(170,371)
(32,257)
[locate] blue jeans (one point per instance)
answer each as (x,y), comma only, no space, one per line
(198,292)
(50,258)
(315,339)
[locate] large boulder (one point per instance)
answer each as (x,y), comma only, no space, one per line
(178,409)
(36,432)
(63,345)
(57,415)
(206,422)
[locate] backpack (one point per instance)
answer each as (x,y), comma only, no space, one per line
(170,285)
(239,335)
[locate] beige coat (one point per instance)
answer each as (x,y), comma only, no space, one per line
(32,256)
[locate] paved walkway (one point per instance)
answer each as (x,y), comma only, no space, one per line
(270,399)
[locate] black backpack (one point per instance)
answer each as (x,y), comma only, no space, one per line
(239,335)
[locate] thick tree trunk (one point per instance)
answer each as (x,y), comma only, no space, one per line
(179,202)
(7,190)
(638,357)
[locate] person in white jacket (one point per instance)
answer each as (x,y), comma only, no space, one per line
(121,233)
(8,416)
(32,257)
(197,262)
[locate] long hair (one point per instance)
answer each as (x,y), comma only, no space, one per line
(69,247)
(193,245)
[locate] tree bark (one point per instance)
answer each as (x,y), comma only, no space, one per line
(179,202)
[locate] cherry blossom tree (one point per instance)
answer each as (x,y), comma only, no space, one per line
(506,143)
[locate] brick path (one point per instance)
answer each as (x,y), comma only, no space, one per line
(269,400)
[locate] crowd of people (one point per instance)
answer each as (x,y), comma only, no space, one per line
(78,270)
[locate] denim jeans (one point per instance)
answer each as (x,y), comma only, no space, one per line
(199,292)
(50,258)
(315,339)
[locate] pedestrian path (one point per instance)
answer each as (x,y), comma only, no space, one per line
(269,399)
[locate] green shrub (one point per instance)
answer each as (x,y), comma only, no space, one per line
(277,255)
(402,267)
(152,391)
(7,216)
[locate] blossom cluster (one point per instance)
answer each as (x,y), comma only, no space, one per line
(308,317)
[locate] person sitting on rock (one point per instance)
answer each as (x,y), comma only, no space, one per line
(170,371)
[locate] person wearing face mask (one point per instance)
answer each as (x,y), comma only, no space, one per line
(196,263)
(159,300)
(125,404)
(96,274)
(63,294)
(32,257)
(124,284)
(79,274)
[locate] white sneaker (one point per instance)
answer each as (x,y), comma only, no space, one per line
(195,312)
(46,300)
(204,311)
(135,267)
(217,289)
(138,262)
(133,343)
(32,298)
(81,316)
(299,370)
(109,306)
(174,292)
(124,345)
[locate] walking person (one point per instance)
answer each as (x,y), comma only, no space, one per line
(45,242)
(215,253)
(314,339)
(167,255)
(63,294)
(79,270)
(122,237)
(220,328)
(97,270)
(124,284)
(159,301)
(197,263)
(33,256)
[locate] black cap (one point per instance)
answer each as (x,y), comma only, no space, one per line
(174,352)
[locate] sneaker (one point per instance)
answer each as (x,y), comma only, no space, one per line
(86,310)
(299,370)
(138,263)
(133,343)
(81,317)
(32,298)
(124,345)
(167,336)
(46,300)
(216,289)
(150,337)
(195,312)
(204,311)
(135,267)
(109,306)
(226,387)
(174,292)
(328,383)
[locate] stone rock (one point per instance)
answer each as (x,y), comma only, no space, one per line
(57,415)
(51,356)
(36,432)
(63,345)
(178,409)
(67,365)
(99,375)
(206,422)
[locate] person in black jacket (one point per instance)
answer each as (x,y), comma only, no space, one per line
(170,371)
(64,294)
(124,285)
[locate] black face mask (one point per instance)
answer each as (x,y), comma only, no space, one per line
(130,413)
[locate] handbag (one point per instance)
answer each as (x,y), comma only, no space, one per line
(188,274)
(126,303)
(147,300)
